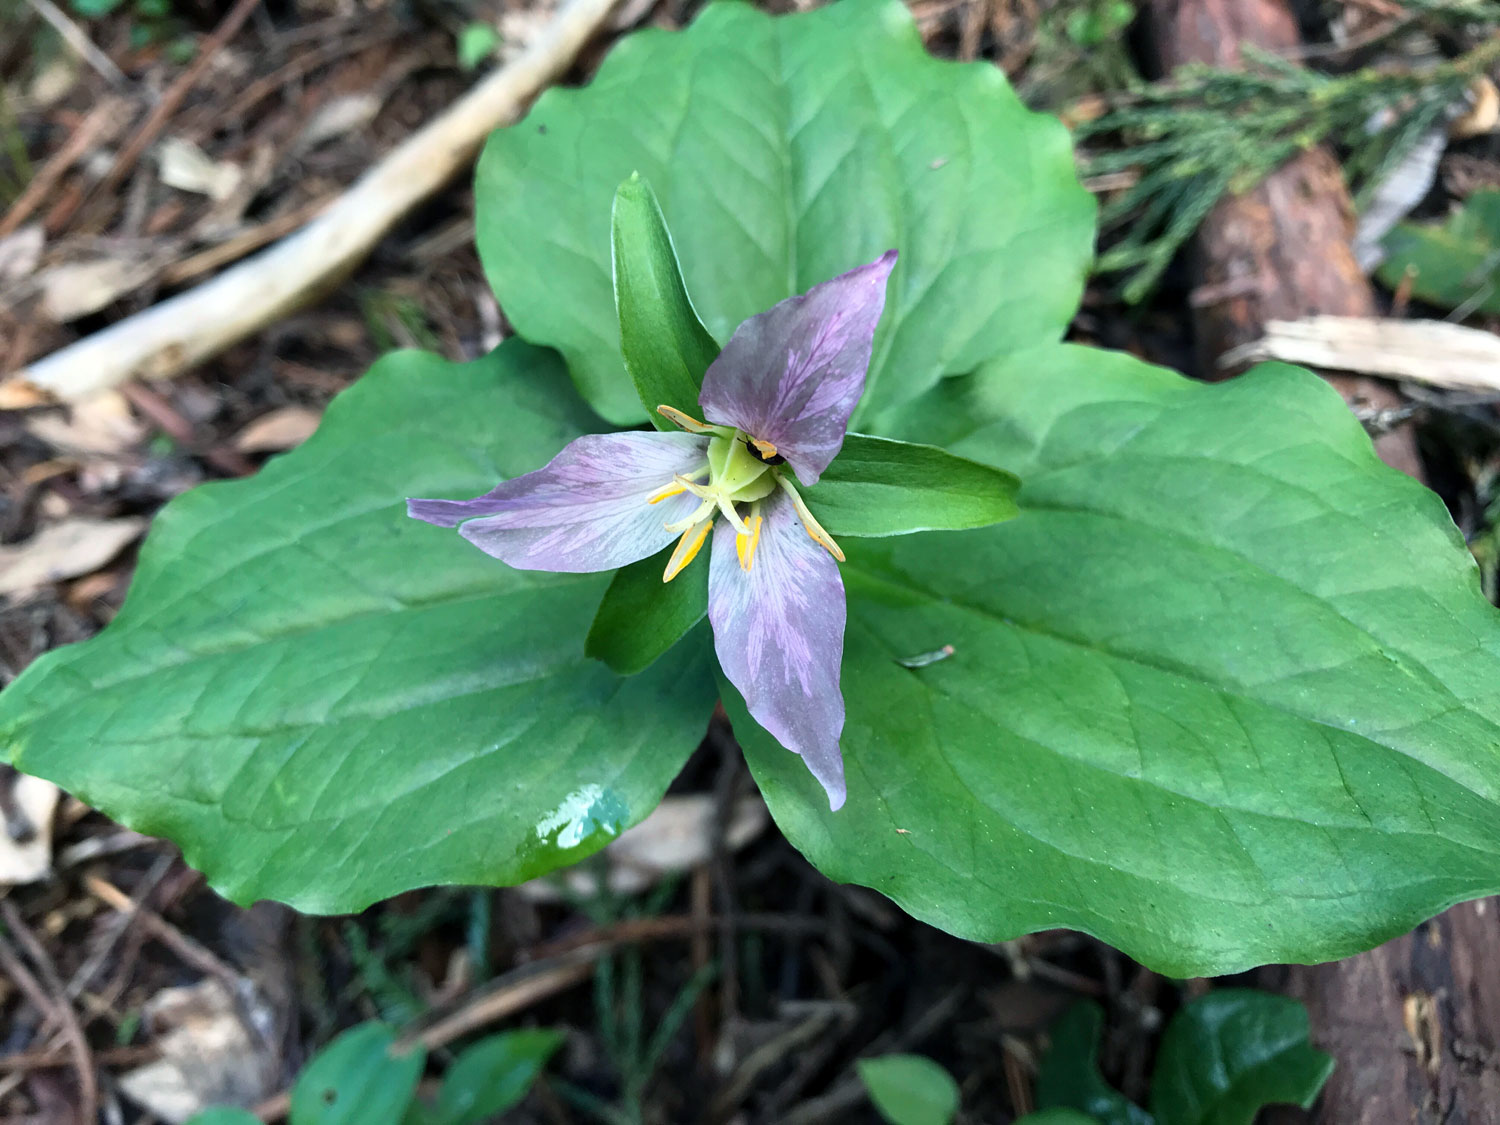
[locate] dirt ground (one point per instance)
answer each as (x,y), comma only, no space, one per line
(187,137)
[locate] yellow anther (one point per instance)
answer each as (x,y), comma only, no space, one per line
(814,528)
(687,549)
(677,417)
(744,545)
(767,449)
(673,489)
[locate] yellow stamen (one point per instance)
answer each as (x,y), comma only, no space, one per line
(727,507)
(814,528)
(692,425)
(744,545)
(691,521)
(687,549)
(673,489)
(767,449)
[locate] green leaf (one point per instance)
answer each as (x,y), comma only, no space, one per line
(641,617)
(493,1075)
(358,1079)
(665,347)
(1057,1117)
(325,702)
(224,1115)
(910,1089)
(1453,264)
(878,487)
(1069,1078)
(1231,1052)
(1224,694)
(476,43)
(786,150)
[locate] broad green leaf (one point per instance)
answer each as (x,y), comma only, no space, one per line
(878,487)
(665,347)
(1224,694)
(358,1079)
(1453,264)
(224,1115)
(1231,1052)
(910,1089)
(1069,1078)
(1057,1117)
(493,1075)
(784,151)
(642,617)
(325,702)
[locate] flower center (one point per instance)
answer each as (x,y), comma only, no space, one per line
(740,470)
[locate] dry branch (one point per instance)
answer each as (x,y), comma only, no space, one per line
(1424,351)
(185,330)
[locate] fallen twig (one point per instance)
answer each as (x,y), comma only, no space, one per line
(74,37)
(187,329)
(78,143)
(162,112)
(1423,351)
(59,1010)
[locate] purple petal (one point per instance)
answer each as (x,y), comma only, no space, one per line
(779,633)
(792,374)
(587,509)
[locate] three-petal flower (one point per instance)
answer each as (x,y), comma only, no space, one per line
(777,403)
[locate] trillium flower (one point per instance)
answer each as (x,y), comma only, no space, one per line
(776,405)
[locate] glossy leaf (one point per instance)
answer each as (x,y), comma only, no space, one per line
(878,487)
(323,701)
(493,1075)
(665,347)
(1452,264)
(910,1089)
(1224,694)
(1228,1054)
(224,1115)
(785,151)
(641,617)
(1057,1117)
(358,1079)
(1069,1078)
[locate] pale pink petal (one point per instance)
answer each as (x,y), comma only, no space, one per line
(792,375)
(779,633)
(587,509)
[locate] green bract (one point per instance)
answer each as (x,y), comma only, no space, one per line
(1224,693)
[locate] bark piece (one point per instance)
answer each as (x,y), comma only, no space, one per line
(1281,251)
(1412,1024)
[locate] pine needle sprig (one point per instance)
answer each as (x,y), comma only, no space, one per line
(1208,133)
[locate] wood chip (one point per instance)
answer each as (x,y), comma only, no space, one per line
(278,431)
(65,550)
(100,425)
(76,289)
(1424,351)
(186,167)
(26,842)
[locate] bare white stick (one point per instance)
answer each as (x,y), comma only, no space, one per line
(184,330)
(1423,351)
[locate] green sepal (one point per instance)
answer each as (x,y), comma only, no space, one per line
(877,487)
(641,617)
(665,346)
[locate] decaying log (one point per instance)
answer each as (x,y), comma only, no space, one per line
(1415,1024)
(1281,251)
(1412,1024)
(186,329)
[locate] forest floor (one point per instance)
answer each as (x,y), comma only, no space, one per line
(771,980)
